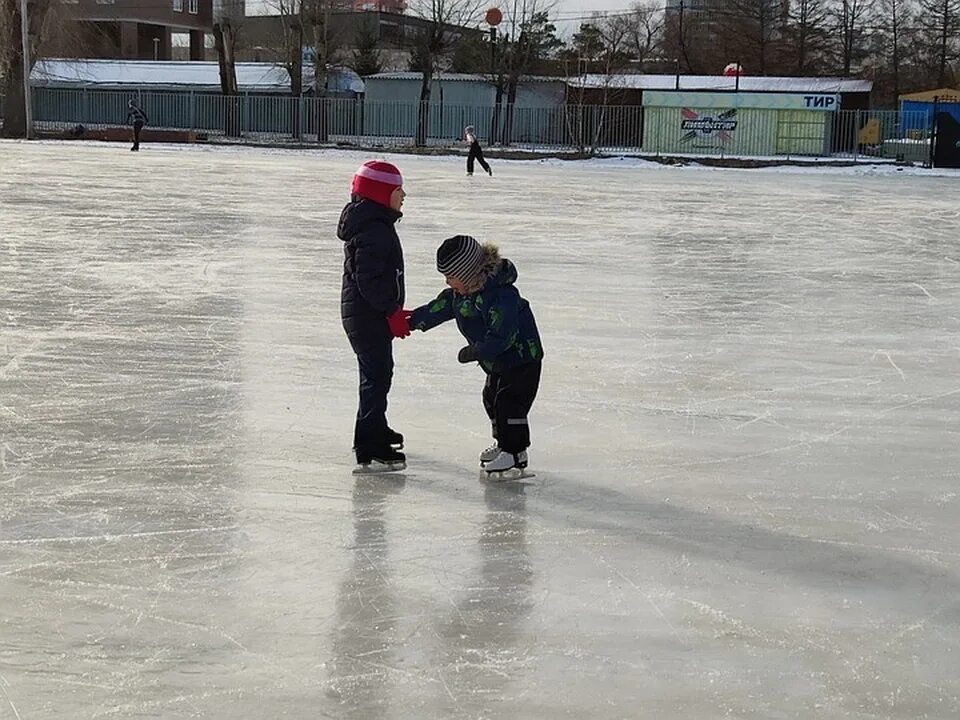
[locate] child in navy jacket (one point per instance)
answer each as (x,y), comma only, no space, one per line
(371,305)
(502,337)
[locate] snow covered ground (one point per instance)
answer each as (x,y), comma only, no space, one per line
(747,445)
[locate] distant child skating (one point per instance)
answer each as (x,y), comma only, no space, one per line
(371,306)
(502,337)
(137,118)
(476,152)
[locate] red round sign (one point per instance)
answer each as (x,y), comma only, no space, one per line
(493,17)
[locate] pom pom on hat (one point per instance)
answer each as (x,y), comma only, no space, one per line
(459,257)
(376,180)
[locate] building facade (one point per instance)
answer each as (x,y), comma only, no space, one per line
(133,29)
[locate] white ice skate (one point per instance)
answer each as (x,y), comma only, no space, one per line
(490,453)
(507,466)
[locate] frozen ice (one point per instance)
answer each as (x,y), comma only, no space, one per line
(746,446)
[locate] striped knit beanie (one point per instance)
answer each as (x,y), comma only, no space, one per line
(459,257)
(376,180)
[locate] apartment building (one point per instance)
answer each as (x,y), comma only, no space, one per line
(133,29)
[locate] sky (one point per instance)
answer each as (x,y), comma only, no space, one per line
(573,10)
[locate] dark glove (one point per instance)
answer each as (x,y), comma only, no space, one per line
(399,322)
(467,355)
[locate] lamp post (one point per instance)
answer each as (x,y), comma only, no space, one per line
(493,17)
(156,48)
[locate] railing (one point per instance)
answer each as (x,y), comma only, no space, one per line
(587,129)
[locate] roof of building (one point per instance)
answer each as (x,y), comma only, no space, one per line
(453,77)
(270,77)
(721,83)
(950,95)
(196,75)
(670,82)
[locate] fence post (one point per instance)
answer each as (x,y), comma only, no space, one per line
(933,129)
(856,136)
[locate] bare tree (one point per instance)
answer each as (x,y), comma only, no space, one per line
(602,46)
(327,41)
(443,28)
(293,29)
(529,36)
(941,20)
(644,30)
(227,22)
(678,36)
(615,34)
(893,20)
(51,28)
(755,27)
(695,36)
(851,19)
(11,70)
(806,35)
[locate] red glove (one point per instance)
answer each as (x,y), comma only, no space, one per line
(399,322)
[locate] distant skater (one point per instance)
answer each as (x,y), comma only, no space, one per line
(476,152)
(137,118)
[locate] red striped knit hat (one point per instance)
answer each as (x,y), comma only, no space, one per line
(376,180)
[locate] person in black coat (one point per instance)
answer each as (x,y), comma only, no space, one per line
(371,305)
(137,118)
(476,152)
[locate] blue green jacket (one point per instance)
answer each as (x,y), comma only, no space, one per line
(496,321)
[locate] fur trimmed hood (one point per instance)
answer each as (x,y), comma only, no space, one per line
(492,268)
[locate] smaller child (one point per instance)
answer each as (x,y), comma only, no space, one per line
(476,152)
(502,336)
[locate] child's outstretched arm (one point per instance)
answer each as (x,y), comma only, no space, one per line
(434,313)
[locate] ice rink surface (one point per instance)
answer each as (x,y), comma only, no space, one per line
(747,446)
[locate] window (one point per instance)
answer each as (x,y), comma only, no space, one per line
(194,9)
(178,5)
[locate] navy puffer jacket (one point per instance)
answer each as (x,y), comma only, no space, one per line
(495,319)
(373,284)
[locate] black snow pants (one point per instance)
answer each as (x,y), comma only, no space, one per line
(476,153)
(376,376)
(137,127)
(507,398)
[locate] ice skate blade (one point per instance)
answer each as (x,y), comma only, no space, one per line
(511,475)
(377,468)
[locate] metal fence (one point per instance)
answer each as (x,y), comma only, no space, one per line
(282,119)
